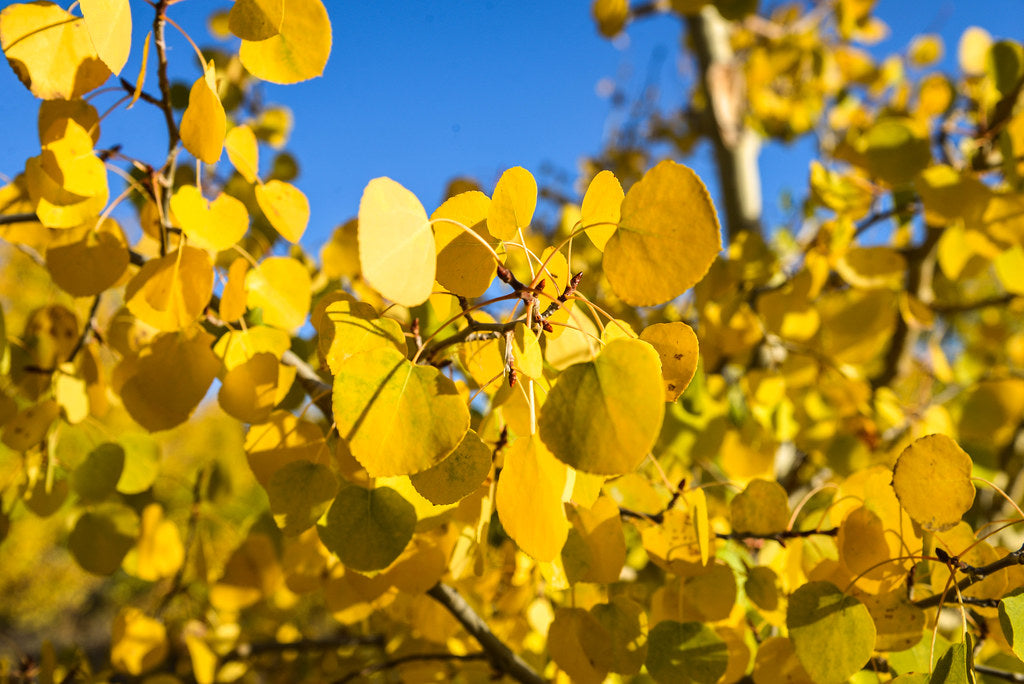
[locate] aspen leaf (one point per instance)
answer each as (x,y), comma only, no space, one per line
(44,499)
(29,426)
(49,51)
(243,151)
(762,587)
(956,665)
(285,207)
(458,475)
(526,352)
(235,347)
(251,573)
(513,203)
(464,265)
(79,111)
(676,344)
(169,379)
(300,48)
(141,463)
(171,292)
(340,255)
(256,19)
(610,15)
(66,183)
(204,124)
(203,658)
(895,150)
(96,477)
(602,207)
(616,640)
(1011,619)
(368,528)
(139,642)
(565,644)
(932,479)
(604,416)
(973,49)
(233,299)
(761,508)
(300,493)
(102,536)
(110,28)
(686,652)
(347,334)
(160,552)
(396,245)
(899,623)
(873,267)
(281,440)
(86,262)
(281,286)
(213,225)
(667,238)
(833,634)
(250,391)
(776,661)
(398,418)
(529,499)
(601,550)
(675,545)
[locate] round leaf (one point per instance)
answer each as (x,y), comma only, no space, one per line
(298,51)
(932,479)
(243,150)
(602,208)
(102,536)
(396,245)
(458,475)
(667,238)
(686,652)
(833,634)
(85,264)
(204,124)
(513,204)
(110,28)
(256,19)
(529,499)
(285,207)
(603,416)
(368,529)
(281,286)
(96,477)
(464,265)
(676,344)
(761,508)
(209,225)
(299,494)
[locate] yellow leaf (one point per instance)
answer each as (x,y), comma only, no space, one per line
(515,199)
(141,79)
(458,475)
(895,149)
(350,334)
(973,50)
(396,245)
(139,642)
(925,49)
(49,51)
(280,441)
(676,344)
(171,292)
(87,262)
(526,354)
(165,384)
(368,529)
(160,551)
(600,552)
(256,19)
(932,479)
(209,225)
(204,124)
(204,659)
(675,544)
(604,416)
(67,183)
(529,498)
(1010,269)
(464,265)
(110,28)
(250,390)
(299,494)
(340,255)
(233,300)
(236,347)
(873,267)
(602,207)
(654,256)
(243,151)
(252,572)
(79,111)
(281,286)
(71,394)
(29,426)
(398,418)
(566,637)
(610,15)
(285,207)
(761,508)
(299,50)
(617,638)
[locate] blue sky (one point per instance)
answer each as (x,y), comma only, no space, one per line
(424,91)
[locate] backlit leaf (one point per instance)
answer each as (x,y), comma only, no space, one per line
(616,640)
(602,207)
(761,508)
(96,477)
(243,150)
(102,536)
(165,384)
(603,416)
(281,287)
(67,182)
(300,48)
(139,642)
(282,440)
(565,644)
(1011,619)
(529,498)
(600,552)
(171,292)
(368,528)
(87,262)
(347,334)
(932,479)
(250,390)
(29,426)
(526,353)
(513,203)
(667,238)
(160,552)
(398,418)
(458,475)
(676,344)
(285,207)
(833,634)
(300,493)
(396,244)
(49,51)
(611,16)
(209,225)
(110,28)
(686,652)
(256,19)
(204,124)
(895,150)
(233,298)
(464,265)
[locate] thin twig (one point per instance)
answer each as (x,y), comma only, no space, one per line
(975,574)
(340,640)
(414,658)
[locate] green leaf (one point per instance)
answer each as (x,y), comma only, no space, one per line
(656,255)
(458,475)
(833,634)
(956,665)
(398,418)
(1011,618)
(603,416)
(616,640)
(368,529)
(299,493)
(686,652)
(102,536)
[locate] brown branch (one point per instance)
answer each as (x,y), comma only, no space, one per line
(501,657)
(964,307)
(414,658)
(1005,675)
(779,537)
(974,574)
(143,95)
(160,41)
(7,219)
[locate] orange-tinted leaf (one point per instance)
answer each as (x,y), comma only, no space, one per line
(204,124)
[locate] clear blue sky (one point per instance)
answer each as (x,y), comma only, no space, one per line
(427,90)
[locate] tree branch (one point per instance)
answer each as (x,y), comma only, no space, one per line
(501,657)
(974,574)
(340,640)
(160,40)
(7,219)
(414,658)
